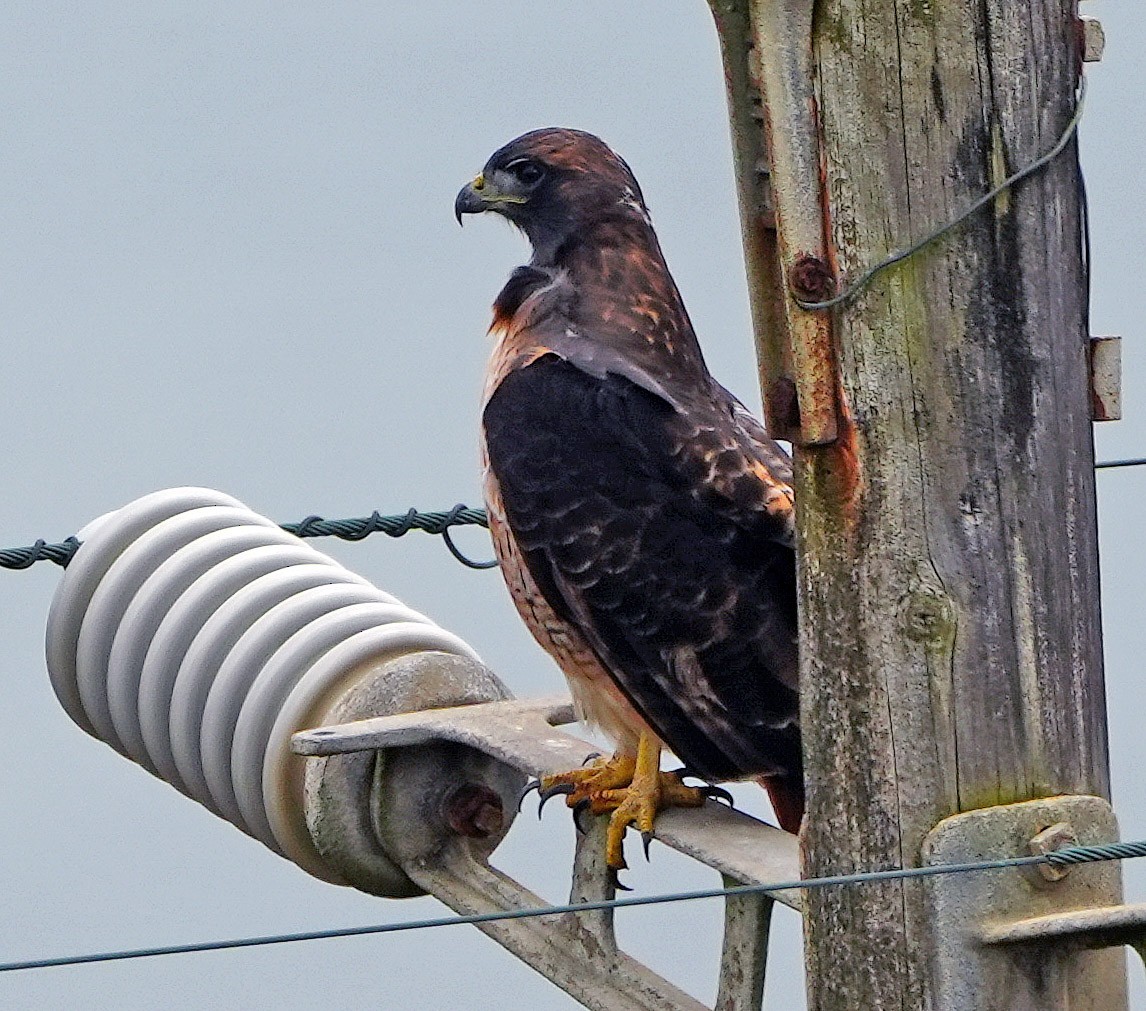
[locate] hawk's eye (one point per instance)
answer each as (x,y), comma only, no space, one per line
(526,170)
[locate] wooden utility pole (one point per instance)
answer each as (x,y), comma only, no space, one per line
(949,599)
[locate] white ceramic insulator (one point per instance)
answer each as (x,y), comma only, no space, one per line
(195,637)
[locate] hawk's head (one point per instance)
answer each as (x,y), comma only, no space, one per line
(553,183)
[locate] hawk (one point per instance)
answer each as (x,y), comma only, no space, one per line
(642,517)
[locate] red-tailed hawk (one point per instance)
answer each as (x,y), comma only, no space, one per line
(642,517)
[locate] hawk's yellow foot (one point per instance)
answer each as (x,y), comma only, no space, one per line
(637,804)
(580,785)
(633,789)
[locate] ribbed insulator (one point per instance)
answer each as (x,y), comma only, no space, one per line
(195,637)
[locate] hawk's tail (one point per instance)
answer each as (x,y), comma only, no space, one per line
(787,796)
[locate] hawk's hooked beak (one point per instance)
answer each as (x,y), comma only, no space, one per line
(470,199)
(483,194)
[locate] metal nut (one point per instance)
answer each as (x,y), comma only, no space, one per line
(1056,837)
(811,279)
(473,810)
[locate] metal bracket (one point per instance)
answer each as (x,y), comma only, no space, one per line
(994,926)
(1085,928)
(578,952)
(522,734)
(1106,378)
(769,42)
(1093,39)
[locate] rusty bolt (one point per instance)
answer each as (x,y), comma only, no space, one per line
(811,279)
(1056,837)
(473,810)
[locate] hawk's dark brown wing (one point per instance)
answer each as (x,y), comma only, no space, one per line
(661,536)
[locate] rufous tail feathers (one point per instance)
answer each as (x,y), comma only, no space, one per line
(787,796)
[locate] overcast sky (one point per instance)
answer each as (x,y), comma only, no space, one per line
(228,258)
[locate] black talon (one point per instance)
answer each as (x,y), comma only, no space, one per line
(591,757)
(553,791)
(716,792)
(579,810)
(615,880)
(719,793)
(646,839)
(533,784)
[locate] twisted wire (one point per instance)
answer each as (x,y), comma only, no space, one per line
(311,526)
(1087,854)
(398,526)
(41,551)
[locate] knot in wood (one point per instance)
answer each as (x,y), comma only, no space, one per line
(811,279)
(927,616)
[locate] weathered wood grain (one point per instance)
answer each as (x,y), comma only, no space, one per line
(950,627)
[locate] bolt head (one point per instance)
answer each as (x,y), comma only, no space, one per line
(811,279)
(473,810)
(1055,837)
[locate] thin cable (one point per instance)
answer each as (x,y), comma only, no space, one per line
(1107,464)
(1061,858)
(1084,229)
(449,521)
(397,526)
(862,281)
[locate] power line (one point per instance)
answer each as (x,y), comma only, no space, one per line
(41,551)
(1060,858)
(396,526)
(356,529)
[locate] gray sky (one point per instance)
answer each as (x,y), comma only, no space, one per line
(228,258)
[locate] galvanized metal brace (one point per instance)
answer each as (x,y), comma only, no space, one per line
(523,735)
(578,952)
(1068,924)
